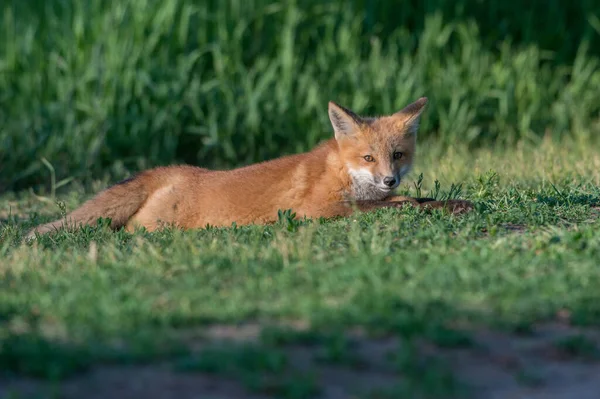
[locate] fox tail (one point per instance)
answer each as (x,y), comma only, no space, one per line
(118,202)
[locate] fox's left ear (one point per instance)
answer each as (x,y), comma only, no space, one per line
(410,115)
(345,122)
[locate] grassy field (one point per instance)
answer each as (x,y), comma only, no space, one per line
(497,303)
(385,299)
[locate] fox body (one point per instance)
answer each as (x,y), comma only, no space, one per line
(357,169)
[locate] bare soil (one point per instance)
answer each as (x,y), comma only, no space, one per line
(497,366)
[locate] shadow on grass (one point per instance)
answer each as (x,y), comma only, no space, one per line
(374,343)
(569,200)
(337,352)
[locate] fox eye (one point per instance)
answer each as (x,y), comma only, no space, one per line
(369,158)
(398,155)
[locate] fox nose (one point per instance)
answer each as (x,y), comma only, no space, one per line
(389,181)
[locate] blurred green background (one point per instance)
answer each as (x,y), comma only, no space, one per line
(106,87)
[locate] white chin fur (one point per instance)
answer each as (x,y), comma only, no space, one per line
(364,187)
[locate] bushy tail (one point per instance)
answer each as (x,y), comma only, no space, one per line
(119,203)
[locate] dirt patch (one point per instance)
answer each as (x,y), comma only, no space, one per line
(553,361)
(530,366)
(152,382)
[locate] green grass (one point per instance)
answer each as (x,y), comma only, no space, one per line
(528,251)
(97,88)
(93,91)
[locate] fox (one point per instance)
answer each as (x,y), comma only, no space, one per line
(358,169)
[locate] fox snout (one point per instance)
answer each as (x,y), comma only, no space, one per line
(390,181)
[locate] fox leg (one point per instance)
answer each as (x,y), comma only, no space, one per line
(455,206)
(413,200)
(346,208)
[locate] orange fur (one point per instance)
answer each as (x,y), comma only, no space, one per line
(331,180)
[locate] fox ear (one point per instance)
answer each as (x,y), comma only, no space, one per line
(345,122)
(411,114)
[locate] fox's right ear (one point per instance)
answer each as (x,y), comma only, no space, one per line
(345,122)
(411,114)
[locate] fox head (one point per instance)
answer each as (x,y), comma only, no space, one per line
(377,152)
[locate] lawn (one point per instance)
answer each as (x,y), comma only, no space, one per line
(500,302)
(390,304)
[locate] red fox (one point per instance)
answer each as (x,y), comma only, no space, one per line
(357,169)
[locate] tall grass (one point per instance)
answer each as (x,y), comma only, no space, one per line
(90,87)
